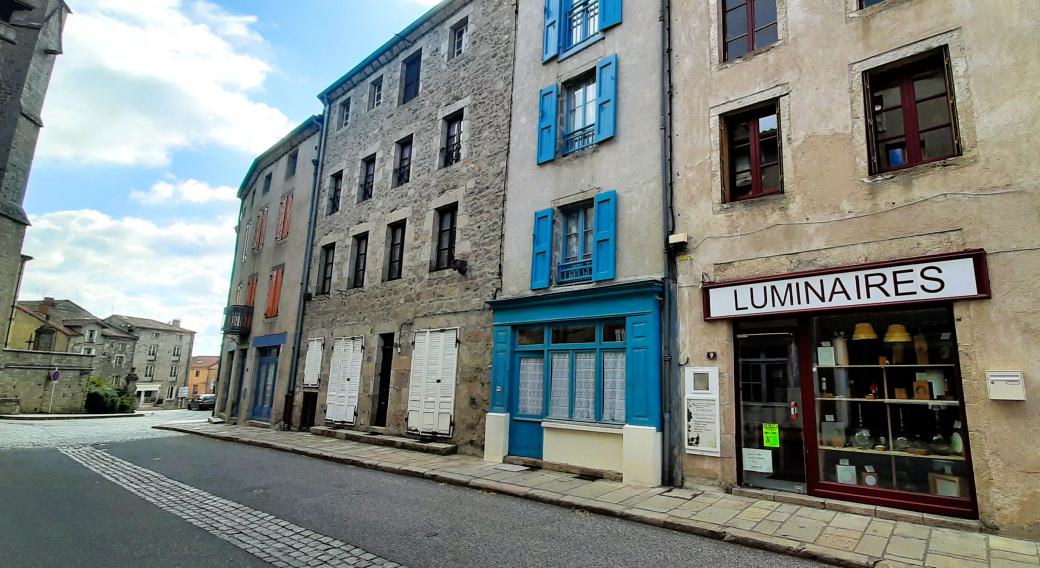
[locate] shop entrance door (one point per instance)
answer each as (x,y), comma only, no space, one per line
(527,407)
(263,397)
(770,394)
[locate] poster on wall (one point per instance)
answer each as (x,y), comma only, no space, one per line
(702,417)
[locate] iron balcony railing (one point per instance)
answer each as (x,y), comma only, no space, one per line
(238,320)
(365,190)
(582,138)
(582,22)
(451,154)
(577,271)
(402,175)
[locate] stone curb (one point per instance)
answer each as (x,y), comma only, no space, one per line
(35,417)
(741,537)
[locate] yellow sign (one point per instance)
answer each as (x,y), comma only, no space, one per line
(771,435)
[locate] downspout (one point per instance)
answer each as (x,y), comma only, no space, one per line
(294,363)
(669,408)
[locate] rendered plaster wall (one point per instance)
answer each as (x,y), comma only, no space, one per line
(834,213)
(478,83)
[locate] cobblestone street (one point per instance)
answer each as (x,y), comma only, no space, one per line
(53,433)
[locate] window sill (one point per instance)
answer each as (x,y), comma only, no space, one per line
(854,12)
(922,169)
(772,200)
(727,63)
(597,427)
(574,50)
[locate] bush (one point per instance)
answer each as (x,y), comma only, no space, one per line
(126,403)
(101,401)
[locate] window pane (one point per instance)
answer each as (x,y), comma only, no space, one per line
(573,219)
(736,24)
(770,152)
(765,14)
(590,102)
(771,178)
(937,144)
(767,125)
(890,123)
(742,159)
(766,36)
(933,113)
(701,382)
(886,95)
(736,48)
(574,334)
(614,371)
(532,373)
(730,4)
(560,393)
(741,133)
(614,332)
(929,83)
(571,248)
(892,154)
(585,386)
(531,336)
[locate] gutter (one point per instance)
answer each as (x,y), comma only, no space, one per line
(312,219)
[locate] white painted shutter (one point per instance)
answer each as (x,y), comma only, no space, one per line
(417,378)
(335,370)
(352,373)
(312,368)
(446,390)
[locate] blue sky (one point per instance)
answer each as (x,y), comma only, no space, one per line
(154,113)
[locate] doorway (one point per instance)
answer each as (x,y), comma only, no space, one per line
(266,374)
(307,410)
(382,391)
(770,391)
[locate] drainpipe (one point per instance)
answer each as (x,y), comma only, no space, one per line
(294,365)
(669,401)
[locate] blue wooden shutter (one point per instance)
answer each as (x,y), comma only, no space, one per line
(541,257)
(604,232)
(609,13)
(551,47)
(643,371)
(547,115)
(500,360)
(606,98)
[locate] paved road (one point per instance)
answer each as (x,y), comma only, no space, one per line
(171,502)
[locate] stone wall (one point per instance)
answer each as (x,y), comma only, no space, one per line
(478,83)
(12,233)
(25,388)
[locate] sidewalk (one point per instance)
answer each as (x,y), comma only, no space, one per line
(823,534)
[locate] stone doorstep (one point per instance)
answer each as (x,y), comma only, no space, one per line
(435,448)
(564,468)
(936,521)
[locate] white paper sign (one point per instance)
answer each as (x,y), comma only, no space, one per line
(702,418)
(914,282)
(760,461)
(182,392)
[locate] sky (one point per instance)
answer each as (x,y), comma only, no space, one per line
(154,113)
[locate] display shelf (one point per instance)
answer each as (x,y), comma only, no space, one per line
(891,453)
(892,401)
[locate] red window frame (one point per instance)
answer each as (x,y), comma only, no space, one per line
(754,143)
(748,6)
(274,292)
(903,76)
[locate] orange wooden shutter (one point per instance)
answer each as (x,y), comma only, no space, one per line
(274,293)
(288,216)
(281,220)
(251,294)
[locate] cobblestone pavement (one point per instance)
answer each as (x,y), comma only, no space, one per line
(840,533)
(269,538)
(53,433)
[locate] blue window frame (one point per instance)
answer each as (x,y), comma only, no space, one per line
(581,114)
(576,372)
(577,245)
(581,22)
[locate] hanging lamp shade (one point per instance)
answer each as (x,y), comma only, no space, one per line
(864,331)
(897,334)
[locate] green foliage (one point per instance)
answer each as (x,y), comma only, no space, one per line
(102,399)
(126,403)
(97,383)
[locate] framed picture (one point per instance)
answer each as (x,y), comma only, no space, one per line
(947,485)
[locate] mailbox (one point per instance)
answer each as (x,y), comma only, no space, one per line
(1006,385)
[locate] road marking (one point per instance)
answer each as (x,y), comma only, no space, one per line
(267,537)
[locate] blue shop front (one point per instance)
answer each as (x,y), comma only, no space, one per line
(576,379)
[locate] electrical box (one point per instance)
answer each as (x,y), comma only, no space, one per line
(1006,385)
(678,239)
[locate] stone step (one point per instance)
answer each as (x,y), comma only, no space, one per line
(384,440)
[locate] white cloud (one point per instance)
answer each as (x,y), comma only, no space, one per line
(141,80)
(172,191)
(137,267)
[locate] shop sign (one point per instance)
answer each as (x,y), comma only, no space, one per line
(944,277)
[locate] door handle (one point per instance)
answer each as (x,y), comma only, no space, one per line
(794,411)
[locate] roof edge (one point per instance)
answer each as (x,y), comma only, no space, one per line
(312,122)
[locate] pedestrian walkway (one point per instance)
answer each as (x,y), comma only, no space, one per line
(826,534)
(67,416)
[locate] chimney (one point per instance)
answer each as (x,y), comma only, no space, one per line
(43,308)
(48,300)
(176,323)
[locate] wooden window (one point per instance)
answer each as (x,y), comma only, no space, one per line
(458,39)
(911,114)
(580,131)
(412,71)
(446,222)
(748,25)
(403,171)
(328,258)
(367,179)
(375,93)
(274,292)
(360,260)
(452,151)
(396,256)
(581,18)
(753,153)
(290,164)
(577,245)
(149,371)
(335,193)
(284,218)
(267,183)
(251,294)
(261,229)
(173,375)
(344,113)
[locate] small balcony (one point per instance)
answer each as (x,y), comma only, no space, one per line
(238,320)
(577,271)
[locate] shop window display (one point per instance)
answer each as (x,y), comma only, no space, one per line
(889,403)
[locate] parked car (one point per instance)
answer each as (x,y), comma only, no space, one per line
(203,402)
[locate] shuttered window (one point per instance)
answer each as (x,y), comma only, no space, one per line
(431,395)
(571,25)
(591,111)
(261,225)
(583,258)
(284,217)
(312,367)
(251,291)
(274,292)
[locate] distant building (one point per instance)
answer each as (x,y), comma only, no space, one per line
(161,357)
(202,374)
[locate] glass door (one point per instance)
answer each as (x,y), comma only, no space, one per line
(769,384)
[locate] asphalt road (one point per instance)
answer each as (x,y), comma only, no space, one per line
(55,512)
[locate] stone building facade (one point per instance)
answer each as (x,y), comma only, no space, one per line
(891,141)
(408,225)
(161,356)
(266,282)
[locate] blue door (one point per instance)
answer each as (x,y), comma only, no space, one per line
(527,407)
(263,395)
